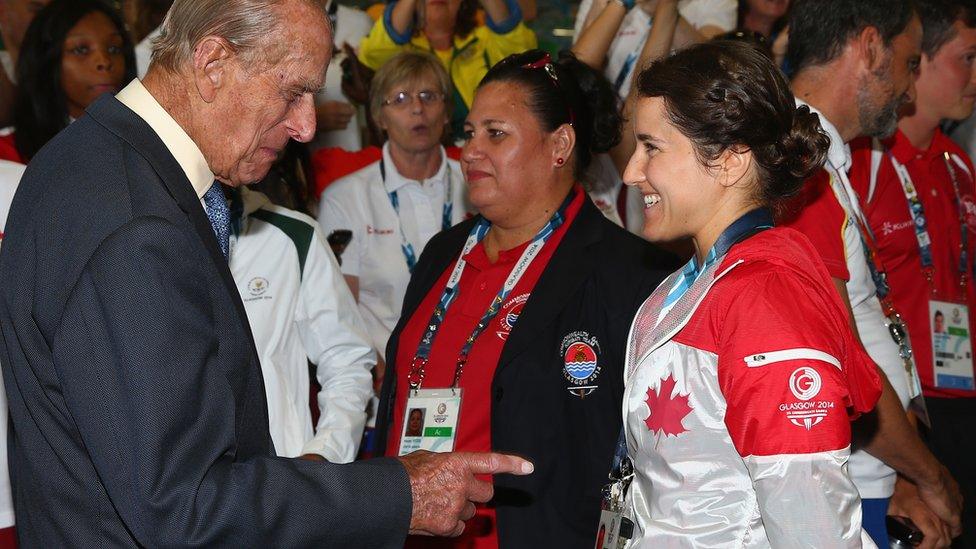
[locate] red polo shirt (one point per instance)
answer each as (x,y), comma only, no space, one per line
(478,286)
(888,214)
(816,213)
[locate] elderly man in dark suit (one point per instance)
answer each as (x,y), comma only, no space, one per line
(138,407)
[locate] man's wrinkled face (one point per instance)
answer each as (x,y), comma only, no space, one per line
(268,100)
(882,93)
(15,17)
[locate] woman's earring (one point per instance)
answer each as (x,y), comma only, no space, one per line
(559,161)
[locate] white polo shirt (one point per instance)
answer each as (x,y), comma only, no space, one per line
(352,25)
(360,202)
(873,478)
(300,311)
(10,174)
(636,27)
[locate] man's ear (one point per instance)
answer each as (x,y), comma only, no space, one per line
(871,48)
(734,165)
(211,63)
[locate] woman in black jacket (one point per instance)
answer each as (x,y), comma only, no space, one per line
(515,322)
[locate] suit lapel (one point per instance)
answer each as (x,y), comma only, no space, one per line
(121,121)
(561,277)
(136,132)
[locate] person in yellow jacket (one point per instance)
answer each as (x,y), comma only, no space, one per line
(449,29)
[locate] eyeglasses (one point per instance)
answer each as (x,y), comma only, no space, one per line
(402,99)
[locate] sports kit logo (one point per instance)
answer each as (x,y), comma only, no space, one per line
(258,286)
(805,384)
(509,315)
(581,362)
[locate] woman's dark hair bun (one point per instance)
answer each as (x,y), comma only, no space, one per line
(579,95)
(727,95)
(797,156)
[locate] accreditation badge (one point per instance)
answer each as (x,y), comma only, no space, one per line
(431,420)
(608,536)
(952,348)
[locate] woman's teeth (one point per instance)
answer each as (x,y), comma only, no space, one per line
(651,199)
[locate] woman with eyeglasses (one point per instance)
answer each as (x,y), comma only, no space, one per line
(395,205)
(515,321)
(742,372)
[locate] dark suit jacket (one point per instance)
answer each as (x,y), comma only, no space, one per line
(593,285)
(136,398)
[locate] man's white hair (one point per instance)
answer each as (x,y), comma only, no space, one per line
(245,24)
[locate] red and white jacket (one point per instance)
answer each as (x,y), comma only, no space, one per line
(738,404)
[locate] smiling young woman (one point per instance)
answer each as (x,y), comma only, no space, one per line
(742,369)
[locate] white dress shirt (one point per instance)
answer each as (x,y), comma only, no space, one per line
(300,310)
(10,174)
(174,137)
(360,202)
(636,27)
(873,478)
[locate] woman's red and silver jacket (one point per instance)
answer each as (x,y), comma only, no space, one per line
(738,404)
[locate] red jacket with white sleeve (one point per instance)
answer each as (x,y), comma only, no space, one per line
(738,404)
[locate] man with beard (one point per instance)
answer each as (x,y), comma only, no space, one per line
(855,66)
(917,191)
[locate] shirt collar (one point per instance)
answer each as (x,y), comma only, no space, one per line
(904,151)
(393,180)
(184,150)
(839,153)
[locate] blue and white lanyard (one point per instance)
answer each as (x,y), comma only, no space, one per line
(477,234)
(446,216)
(744,227)
(920,223)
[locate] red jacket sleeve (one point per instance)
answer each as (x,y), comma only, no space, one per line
(783,354)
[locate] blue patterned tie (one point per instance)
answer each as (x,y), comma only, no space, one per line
(219,215)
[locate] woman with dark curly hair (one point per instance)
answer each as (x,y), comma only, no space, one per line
(514,323)
(450,30)
(742,372)
(74,51)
